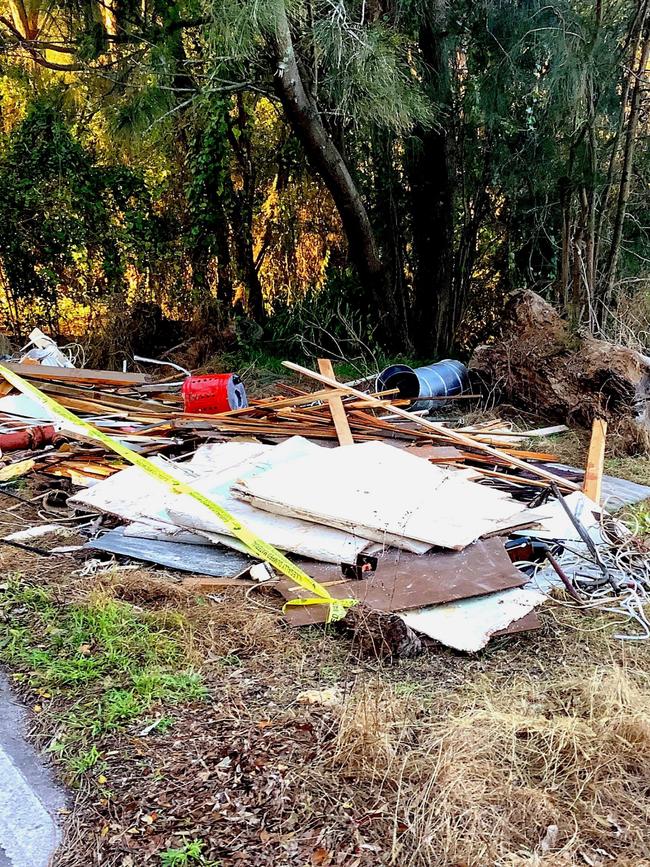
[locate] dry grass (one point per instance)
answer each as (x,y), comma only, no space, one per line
(222,625)
(481,783)
(448,759)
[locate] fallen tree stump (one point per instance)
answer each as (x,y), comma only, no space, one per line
(541,365)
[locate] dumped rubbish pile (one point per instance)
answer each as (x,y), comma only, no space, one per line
(340,503)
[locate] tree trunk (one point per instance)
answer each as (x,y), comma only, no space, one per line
(385,182)
(243,224)
(635,36)
(628,159)
(435,315)
(239,135)
(322,153)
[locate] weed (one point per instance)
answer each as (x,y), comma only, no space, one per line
(84,761)
(191,854)
(406,688)
(117,661)
(636,469)
(330,673)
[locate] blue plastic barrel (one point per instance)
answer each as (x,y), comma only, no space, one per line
(442,379)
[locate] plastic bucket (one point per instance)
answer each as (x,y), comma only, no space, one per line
(442,379)
(213,393)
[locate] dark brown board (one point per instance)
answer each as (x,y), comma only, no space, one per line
(405,581)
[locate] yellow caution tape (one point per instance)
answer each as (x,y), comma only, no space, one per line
(258,547)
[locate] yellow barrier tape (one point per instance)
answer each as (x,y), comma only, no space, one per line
(258,547)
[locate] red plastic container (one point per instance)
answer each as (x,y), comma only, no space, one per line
(213,393)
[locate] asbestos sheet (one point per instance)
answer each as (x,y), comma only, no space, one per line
(469,624)
(384,494)
(407,581)
(134,496)
(287,532)
(552,522)
(162,533)
(200,559)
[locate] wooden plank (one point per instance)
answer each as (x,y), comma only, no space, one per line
(593,480)
(337,409)
(448,433)
(76,374)
(107,398)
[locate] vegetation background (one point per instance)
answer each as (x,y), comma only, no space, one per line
(352,176)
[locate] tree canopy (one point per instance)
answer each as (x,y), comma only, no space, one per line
(383,169)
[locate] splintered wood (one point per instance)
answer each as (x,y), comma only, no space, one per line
(150,416)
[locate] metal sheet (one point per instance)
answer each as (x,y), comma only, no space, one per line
(407,581)
(615,492)
(200,559)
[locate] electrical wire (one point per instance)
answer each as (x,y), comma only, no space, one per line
(622,551)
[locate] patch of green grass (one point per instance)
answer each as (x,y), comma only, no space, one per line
(331,673)
(115,663)
(635,469)
(408,688)
(637,518)
(84,761)
(189,855)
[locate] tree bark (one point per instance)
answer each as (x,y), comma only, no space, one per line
(635,35)
(242,216)
(628,158)
(435,313)
(304,118)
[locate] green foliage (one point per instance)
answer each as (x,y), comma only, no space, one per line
(189,855)
(116,663)
(139,110)
(169,173)
(369,77)
(327,323)
(209,191)
(68,226)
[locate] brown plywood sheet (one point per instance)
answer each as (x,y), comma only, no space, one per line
(405,581)
(524,624)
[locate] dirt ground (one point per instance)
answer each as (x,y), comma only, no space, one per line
(254,744)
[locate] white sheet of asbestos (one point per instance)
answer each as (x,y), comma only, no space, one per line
(134,496)
(469,624)
(554,523)
(383,494)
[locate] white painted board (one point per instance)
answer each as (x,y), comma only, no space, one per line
(468,625)
(384,494)
(135,497)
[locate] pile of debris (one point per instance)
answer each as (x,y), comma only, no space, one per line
(342,502)
(540,363)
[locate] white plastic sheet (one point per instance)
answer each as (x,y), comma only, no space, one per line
(468,625)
